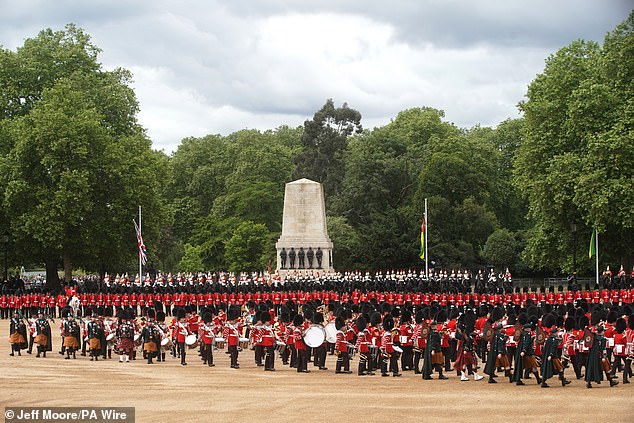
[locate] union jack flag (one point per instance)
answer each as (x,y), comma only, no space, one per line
(140,243)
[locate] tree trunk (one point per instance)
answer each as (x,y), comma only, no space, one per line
(68,268)
(52,279)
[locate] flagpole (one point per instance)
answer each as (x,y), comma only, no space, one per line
(426,237)
(140,258)
(596,245)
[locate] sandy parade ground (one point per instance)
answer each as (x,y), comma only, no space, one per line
(164,392)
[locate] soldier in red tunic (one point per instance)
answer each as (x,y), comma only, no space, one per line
(300,346)
(231,334)
(341,347)
(364,340)
(268,342)
(206,331)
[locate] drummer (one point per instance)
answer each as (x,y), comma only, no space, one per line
(300,346)
(162,326)
(182,330)
(319,353)
(231,334)
(206,331)
(341,346)
(268,342)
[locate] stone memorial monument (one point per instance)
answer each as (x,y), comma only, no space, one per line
(304,234)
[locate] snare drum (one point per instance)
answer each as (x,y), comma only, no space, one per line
(331,333)
(191,341)
(166,343)
(110,337)
(220,342)
(244,343)
(397,349)
(137,340)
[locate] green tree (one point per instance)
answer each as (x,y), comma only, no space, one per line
(323,142)
(249,248)
(192,259)
(79,164)
(576,162)
(501,249)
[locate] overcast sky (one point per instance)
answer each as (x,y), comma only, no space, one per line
(208,66)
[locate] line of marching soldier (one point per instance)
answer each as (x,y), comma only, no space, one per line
(539,341)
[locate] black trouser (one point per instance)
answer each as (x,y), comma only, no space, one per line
(627,371)
(319,356)
(617,364)
(302,360)
(269,358)
(182,351)
(293,355)
(363,363)
(418,354)
(374,359)
(259,354)
(286,352)
(343,361)
(207,354)
(31,337)
(407,358)
(233,353)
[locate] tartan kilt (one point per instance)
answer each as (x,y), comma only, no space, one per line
(16,338)
(529,362)
(70,342)
(150,346)
(126,344)
(503,362)
(95,343)
(557,366)
(41,339)
(438,358)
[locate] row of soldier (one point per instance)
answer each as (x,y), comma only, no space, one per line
(515,340)
(81,302)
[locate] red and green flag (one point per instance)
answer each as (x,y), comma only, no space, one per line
(422,239)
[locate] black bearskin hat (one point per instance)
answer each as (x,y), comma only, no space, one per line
(361,323)
(620,325)
(160,316)
(298,320)
(406,316)
(151,313)
(388,323)
(548,321)
(207,317)
(612,316)
(180,313)
(375,318)
(569,324)
(420,316)
(497,313)
(234,312)
(339,323)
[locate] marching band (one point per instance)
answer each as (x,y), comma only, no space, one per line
(522,342)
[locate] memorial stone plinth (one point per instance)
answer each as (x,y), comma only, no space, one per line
(304,243)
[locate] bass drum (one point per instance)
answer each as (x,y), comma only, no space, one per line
(315,336)
(331,333)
